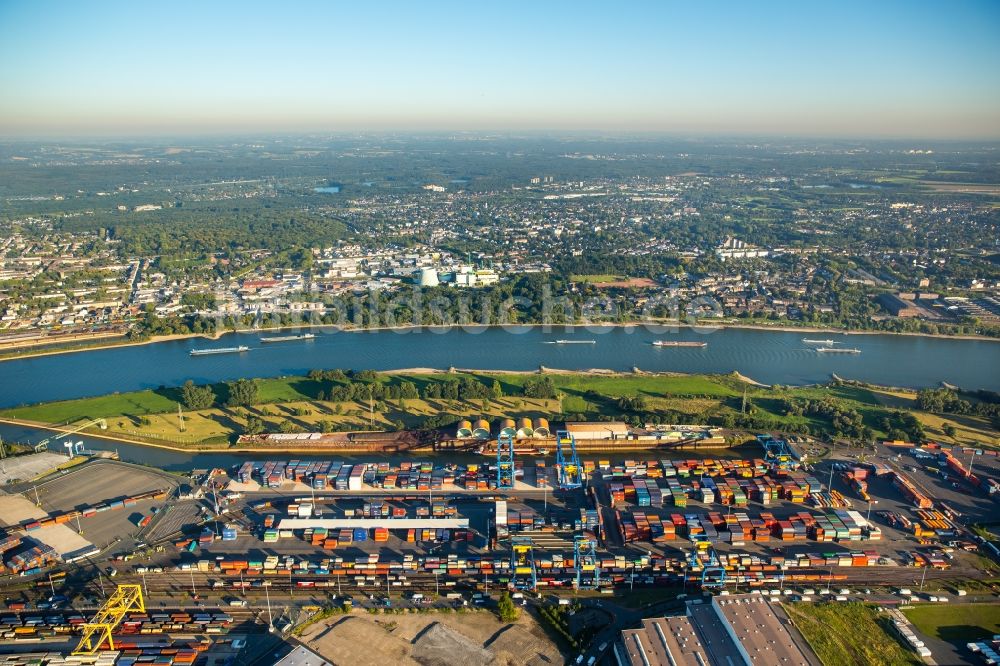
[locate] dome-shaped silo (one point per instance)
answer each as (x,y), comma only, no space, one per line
(524,428)
(464,429)
(507,428)
(482,429)
(542,428)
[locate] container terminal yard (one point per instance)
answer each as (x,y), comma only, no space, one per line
(224,552)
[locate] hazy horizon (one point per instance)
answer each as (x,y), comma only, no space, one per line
(895,70)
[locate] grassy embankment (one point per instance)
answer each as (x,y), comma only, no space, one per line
(956,623)
(969,430)
(849,634)
(151,415)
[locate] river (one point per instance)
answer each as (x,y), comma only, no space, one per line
(767,356)
(179,461)
(772,357)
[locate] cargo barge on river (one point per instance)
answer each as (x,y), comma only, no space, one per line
(678,343)
(220,350)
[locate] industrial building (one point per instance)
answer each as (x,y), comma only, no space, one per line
(598,430)
(898,306)
(302,656)
(744,629)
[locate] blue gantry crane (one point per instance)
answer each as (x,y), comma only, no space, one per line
(777,452)
(505,462)
(713,574)
(569,472)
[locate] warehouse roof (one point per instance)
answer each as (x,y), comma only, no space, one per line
(745,629)
(597,426)
(301,656)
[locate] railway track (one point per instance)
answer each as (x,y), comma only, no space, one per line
(209,585)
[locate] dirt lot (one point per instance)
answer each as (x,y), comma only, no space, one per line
(637,283)
(474,637)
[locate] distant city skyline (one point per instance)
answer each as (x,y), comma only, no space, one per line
(889,69)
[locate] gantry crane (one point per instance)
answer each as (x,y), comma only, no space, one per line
(567,469)
(505,462)
(524,575)
(713,574)
(777,452)
(126,599)
(585,562)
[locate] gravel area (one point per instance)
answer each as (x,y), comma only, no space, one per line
(25,468)
(472,638)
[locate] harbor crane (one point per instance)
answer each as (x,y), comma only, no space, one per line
(568,468)
(42,445)
(126,599)
(713,574)
(586,563)
(524,575)
(505,462)
(777,452)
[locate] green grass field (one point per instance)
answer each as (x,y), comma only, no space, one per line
(597,279)
(849,633)
(138,403)
(672,398)
(958,623)
(293,389)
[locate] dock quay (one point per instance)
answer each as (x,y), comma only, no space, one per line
(533,437)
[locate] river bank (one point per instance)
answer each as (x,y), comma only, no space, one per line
(37,351)
(17,352)
(544,446)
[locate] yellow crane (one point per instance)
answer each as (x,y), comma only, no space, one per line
(126,599)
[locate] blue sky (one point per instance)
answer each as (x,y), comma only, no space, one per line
(883,68)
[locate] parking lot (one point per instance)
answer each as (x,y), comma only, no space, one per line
(103,481)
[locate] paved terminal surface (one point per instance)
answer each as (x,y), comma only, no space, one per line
(89,484)
(16,509)
(100,481)
(25,468)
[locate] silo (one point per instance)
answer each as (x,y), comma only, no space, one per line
(481,429)
(464,429)
(524,428)
(507,428)
(428,277)
(542,428)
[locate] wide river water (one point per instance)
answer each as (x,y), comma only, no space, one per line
(772,357)
(767,356)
